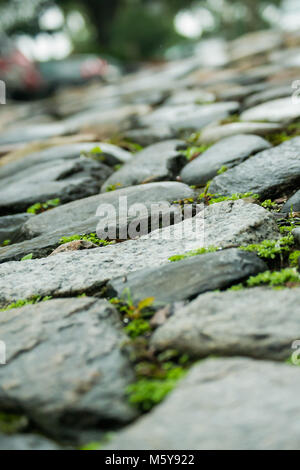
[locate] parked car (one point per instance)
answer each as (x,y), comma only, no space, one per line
(25,78)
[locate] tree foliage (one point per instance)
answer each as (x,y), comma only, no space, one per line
(133,29)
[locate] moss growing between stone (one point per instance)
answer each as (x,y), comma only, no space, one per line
(285,277)
(270,249)
(268,204)
(5,243)
(294,257)
(293,130)
(12,423)
(222,170)
(214,199)
(92,237)
(193,152)
(146,393)
(22,302)
(189,254)
(40,207)
(112,187)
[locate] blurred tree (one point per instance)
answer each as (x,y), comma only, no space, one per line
(134,29)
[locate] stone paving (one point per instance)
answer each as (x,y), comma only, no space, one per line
(173,324)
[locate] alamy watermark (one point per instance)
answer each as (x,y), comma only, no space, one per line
(295,357)
(164,220)
(296,92)
(2,353)
(2,92)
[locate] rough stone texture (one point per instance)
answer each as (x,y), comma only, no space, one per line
(64,180)
(267,95)
(293,202)
(26,442)
(281,110)
(213,133)
(155,163)
(228,404)
(131,226)
(190,116)
(82,210)
(76,245)
(184,279)
(65,366)
(150,135)
(225,224)
(190,97)
(10,224)
(237,323)
(268,173)
(110,153)
(228,152)
(33,132)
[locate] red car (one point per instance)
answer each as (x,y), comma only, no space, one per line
(25,78)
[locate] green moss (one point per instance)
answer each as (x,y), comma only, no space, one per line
(292,130)
(189,254)
(294,257)
(29,256)
(98,445)
(126,144)
(137,327)
(5,243)
(275,278)
(278,138)
(118,166)
(12,423)
(112,187)
(269,249)
(237,287)
(22,302)
(268,204)
(222,170)
(134,316)
(230,119)
(92,237)
(234,197)
(40,207)
(148,392)
(193,152)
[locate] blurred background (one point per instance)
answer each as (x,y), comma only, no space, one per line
(46,43)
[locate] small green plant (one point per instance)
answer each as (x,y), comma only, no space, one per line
(98,445)
(294,257)
(269,249)
(134,316)
(12,423)
(137,327)
(112,187)
(291,131)
(148,392)
(222,170)
(5,243)
(23,302)
(193,152)
(29,256)
(189,254)
(230,119)
(40,207)
(236,287)
(233,197)
(117,166)
(268,204)
(92,237)
(275,278)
